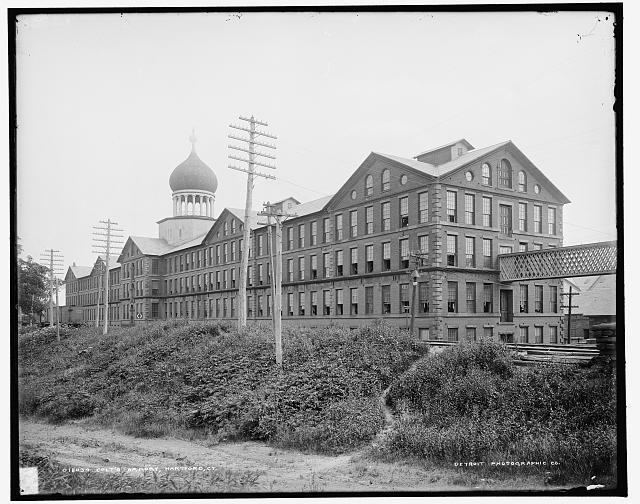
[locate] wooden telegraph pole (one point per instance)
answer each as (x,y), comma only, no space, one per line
(104,241)
(251,173)
(570,306)
(272,212)
(415,275)
(55,259)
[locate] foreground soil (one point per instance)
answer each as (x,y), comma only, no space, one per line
(83,445)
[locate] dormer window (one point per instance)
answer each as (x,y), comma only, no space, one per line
(368,185)
(522,181)
(386,176)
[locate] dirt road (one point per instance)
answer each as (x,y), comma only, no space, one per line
(81,445)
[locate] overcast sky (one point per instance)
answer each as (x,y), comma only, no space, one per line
(106,104)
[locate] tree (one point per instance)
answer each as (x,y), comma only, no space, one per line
(33,287)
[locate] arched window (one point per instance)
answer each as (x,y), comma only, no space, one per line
(233,226)
(385,179)
(368,185)
(486,173)
(522,181)
(504,173)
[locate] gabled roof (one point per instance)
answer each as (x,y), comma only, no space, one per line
(151,246)
(462,140)
(312,206)
(427,168)
(239,214)
(81,271)
(468,157)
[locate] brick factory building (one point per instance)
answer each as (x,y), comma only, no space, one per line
(346,256)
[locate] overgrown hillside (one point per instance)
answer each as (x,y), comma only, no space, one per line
(208,379)
(471,404)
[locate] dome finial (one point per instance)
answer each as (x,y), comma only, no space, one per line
(193,139)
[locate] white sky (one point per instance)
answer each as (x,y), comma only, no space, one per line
(106,103)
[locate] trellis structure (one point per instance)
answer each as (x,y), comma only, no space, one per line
(564,262)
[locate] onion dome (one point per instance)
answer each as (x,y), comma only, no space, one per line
(193,174)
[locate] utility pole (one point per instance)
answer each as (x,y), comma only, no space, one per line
(104,241)
(272,212)
(270,249)
(55,259)
(570,306)
(251,173)
(415,275)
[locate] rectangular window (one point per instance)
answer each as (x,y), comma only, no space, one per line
(268,305)
(486,212)
(314,267)
(233,250)
(504,174)
(339,263)
(487,253)
(301,304)
(224,279)
(354,261)
(314,303)
(386,215)
(524,334)
(423,245)
(368,218)
(386,299)
(154,310)
(290,238)
(368,300)
(339,302)
(538,334)
(301,268)
(326,302)
(423,297)
(339,227)
(368,252)
(233,307)
(522,216)
(423,207)
(537,219)
(404,253)
(452,206)
(553,299)
(488,333)
(314,233)
(471,297)
(524,298)
(505,249)
(290,304)
(487,304)
(290,270)
(325,264)
(452,247)
(452,298)
(353,223)
(471,334)
(470,209)
(217,280)
(354,302)
(386,256)
(301,236)
(217,254)
(326,230)
(537,246)
(538,298)
(551,219)
(225,254)
(260,245)
(470,251)
(260,305)
(249,307)
(404,298)
(233,277)
(260,274)
(553,334)
(452,334)
(522,247)
(404,211)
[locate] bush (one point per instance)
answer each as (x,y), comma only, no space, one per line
(210,378)
(470,403)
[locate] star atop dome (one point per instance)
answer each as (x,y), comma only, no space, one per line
(193,174)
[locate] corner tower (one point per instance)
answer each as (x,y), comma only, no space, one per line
(193,185)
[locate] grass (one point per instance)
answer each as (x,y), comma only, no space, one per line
(53,479)
(470,403)
(213,382)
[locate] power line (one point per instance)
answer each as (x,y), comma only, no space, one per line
(103,241)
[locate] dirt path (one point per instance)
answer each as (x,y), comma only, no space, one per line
(79,445)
